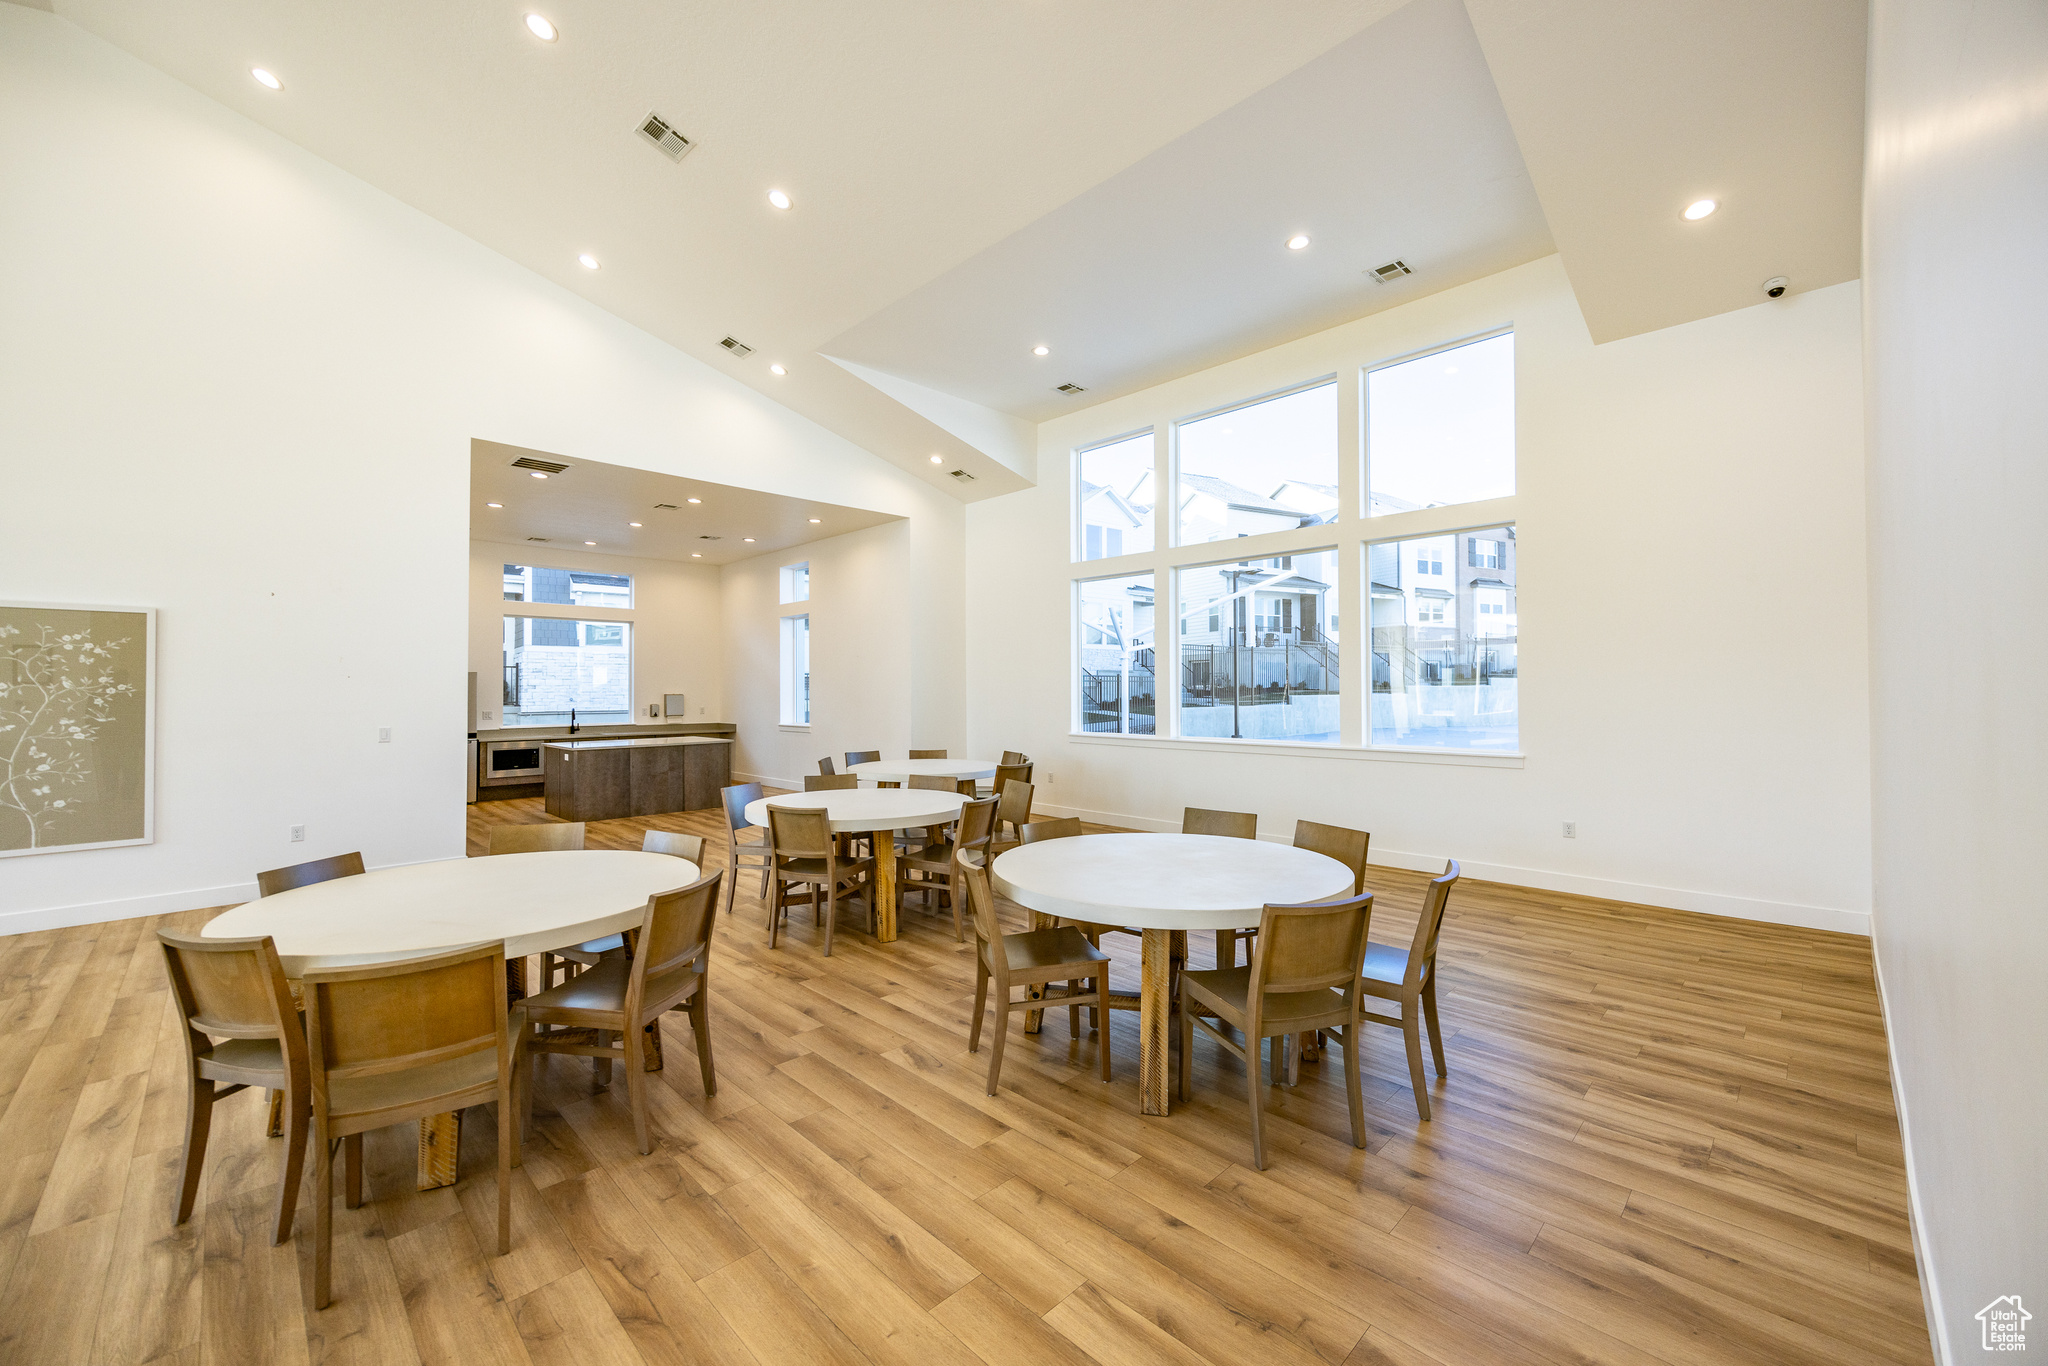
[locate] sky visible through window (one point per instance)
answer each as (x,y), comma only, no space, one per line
(1283,452)
(1441,428)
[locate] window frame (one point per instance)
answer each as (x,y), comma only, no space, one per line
(1365,374)
(1335,377)
(785,683)
(1077,550)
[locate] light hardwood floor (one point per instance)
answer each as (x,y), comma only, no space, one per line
(1665,1138)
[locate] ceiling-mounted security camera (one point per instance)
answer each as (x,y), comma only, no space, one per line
(1775,287)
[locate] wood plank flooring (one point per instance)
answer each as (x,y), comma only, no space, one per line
(1666,1138)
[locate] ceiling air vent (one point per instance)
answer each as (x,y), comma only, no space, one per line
(666,140)
(1392,270)
(1072,389)
(670,506)
(962,475)
(541,539)
(527,462)
(711,538)
(737,347)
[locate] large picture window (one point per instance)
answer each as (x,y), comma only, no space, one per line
(1117,653)
(1258,649)
(1117,495)
(1267,466)
(555,666)
(1440,428)
(1444,641)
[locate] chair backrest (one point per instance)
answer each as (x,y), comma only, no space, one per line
(388,1017)
(927,754)
(1334,841)
(825,767)
(829,782)
(536,839)
(977,827)
(931,783)
(689,847)
(1013,803)
(794,833)
(1311,947)
(863,756)
(233,988)
(1066,827)
(736,799)
(1422,952)
(1238,825)
(675,942)
(306,874)
(981,905)
(1010,773)
(1011,756)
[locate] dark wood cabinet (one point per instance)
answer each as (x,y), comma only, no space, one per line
(599,782)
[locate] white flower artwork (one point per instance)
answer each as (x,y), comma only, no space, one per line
(77,693)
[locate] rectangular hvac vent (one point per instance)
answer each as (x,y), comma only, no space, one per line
(737,347)
(1072,389)
(1392,270)
(542,539)
(670,506)
(711,538)
(963,476)
(666,140)
(527,462)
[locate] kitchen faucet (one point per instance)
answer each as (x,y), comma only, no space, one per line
(572,720)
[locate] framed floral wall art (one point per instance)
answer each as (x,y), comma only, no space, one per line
(77,727)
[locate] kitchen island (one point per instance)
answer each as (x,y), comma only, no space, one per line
(596,780)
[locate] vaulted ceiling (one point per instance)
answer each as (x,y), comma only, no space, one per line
(1116,183)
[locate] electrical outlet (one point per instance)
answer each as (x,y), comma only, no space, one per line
(383,735)
(298,834)
(1571,830)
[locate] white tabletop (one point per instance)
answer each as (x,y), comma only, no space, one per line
(1165,882)
(855,809)
(533,902)
(903,770)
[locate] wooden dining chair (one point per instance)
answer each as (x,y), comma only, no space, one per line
(1009,773)
(829,782)
(744,848)
(621,998)
(1050,828)
(1013,809)
(536,839)
(673,843)
(242,1029)
(1237,825)
(589,953)
(390,1043)
(938,863)
(1333,841)
(306,874)
(1408,976)
(1011,756)
(825,767)
(1034,958)
(806,854)
(863,756)
(927,754)
(1304,977)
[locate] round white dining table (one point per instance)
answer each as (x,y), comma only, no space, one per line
(1163,886)
(865,810)
(903,770)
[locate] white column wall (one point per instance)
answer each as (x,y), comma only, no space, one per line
(1956,288)
(1692,613)
(240,385)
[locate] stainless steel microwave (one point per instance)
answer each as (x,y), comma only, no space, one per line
(511,761)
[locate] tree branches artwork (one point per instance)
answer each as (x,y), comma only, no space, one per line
(75,701)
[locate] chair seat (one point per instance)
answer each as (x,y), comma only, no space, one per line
(1229,990)
(242,1055)
(603,988)
(1034,950)
(353,1096)
(815,869)
(1384,966)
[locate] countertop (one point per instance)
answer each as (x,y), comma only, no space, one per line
(546,733)
(649,742)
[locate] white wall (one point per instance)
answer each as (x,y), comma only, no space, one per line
(678,621)
(240,385)
(1956,287)
(1709,474)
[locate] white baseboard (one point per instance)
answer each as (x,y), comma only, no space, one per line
(1930,1291)
(1607,889)
(131,908)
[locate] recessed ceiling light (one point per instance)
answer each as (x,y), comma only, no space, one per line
(1297,242)
(748,539)
(695,556)
(541,28)
(587,261)
(938,460)
(1700,208)
(265,78)
(538,474)
(816,520)
(632,524)
(777,370)
(494,505)
(778,199)
(696,500)
(590,543)
(1041,351)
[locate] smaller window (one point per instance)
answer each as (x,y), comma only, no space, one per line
(1114,485)
(796,670)
(796,582)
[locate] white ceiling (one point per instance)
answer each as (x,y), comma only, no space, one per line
(1392,144)
(1114,181)
(592,501)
